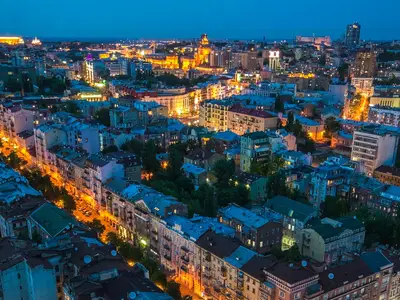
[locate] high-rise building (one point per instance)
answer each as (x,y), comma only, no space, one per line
(353,34)
(365,64)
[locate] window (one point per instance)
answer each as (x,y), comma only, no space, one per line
(254,290)
(19,276)
(281,294)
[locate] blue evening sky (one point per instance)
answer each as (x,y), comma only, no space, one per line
(189,18)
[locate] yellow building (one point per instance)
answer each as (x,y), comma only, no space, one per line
(11,40)
(203,52)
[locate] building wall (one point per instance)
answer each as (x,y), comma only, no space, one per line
(374,150)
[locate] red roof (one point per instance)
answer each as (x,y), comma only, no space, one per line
(250,111)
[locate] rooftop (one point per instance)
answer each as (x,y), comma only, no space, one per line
(245,216)
(291,208)
(240,257)
(53,219)
(219,245)
(329,228)
(193,169)
(251,112)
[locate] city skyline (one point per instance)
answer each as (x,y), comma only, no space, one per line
(216,19)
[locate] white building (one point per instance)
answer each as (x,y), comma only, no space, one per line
(375,146)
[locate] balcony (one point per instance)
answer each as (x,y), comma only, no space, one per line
(167,247)
(166,237)
(185,259)
(183,248)
(167,257)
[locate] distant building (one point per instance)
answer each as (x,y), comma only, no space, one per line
(365,64)
(353,32)
(326,240)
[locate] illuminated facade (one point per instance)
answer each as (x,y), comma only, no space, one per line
(213,114)
(274,63)
(201,57)
(11,40)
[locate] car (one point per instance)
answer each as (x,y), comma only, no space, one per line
(187,297)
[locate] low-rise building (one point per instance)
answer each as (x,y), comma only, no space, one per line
(326,240)
(197,175)
(203,158)
(295,216)
(256,184)
(260,233)
(388,175)
(243,120)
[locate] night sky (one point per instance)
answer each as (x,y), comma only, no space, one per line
(250,19)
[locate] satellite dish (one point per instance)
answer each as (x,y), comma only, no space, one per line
(131,295)
(87,259)
(291,265)
(113,253)
(304,263)
(331,276)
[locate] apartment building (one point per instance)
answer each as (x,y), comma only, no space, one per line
(295,216)
(374,146)
(328,180)
(15,120)
(99,169)
(326,240)
(260,233)
(243,120)
(24,275)
(220,268)
(388,175)
(254,146)
(366,277)
(213,114)
(384,115)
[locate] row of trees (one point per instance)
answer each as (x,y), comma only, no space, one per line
(172,181)
(137,255)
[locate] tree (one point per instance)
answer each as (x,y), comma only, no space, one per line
(72,108)
(205,196)
(97,226)
(68,202)
(268,167)
(175,162)
(113,238)
(103,116)
(334,208)
(159,278)
(129,252)
(223,170)
(331,126)
(13,85)
(110,149)
(276,185)
(133,146)
(279,105)
(149,160)
(14,161)
(173,289)
(290,122)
